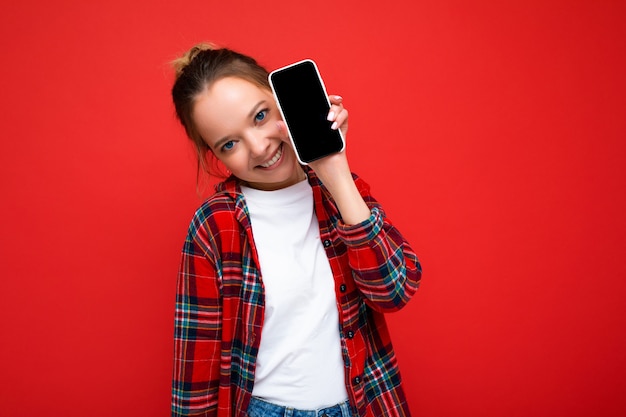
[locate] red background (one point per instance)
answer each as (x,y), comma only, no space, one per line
(492,131)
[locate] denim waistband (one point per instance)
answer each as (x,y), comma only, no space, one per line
(258,408)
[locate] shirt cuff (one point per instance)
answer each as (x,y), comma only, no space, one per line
(362,233)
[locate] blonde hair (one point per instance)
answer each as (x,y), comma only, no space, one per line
(195,71)
(182,61)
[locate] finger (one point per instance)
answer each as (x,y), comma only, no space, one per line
(335,99)
(335,107)
(282,127)
(341,120)
(334,111)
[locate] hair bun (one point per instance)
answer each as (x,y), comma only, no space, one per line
(179,64)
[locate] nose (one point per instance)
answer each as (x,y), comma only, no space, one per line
(258,143)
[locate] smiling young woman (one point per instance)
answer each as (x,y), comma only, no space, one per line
(240,124)
(286,270)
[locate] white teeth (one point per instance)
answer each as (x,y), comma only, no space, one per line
(274,159)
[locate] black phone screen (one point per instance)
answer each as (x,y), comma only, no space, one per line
(301,97)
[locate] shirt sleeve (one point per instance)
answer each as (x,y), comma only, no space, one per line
(384,266)
(197,330)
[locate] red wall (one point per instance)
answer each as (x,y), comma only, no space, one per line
(502,123)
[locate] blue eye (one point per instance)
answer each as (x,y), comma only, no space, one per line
(260,115)
(228,145)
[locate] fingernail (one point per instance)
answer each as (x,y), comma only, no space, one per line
(339,97)
(334,126)
(331,116)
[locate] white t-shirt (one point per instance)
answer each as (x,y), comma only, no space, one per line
(299,363)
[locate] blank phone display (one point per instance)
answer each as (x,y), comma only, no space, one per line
(301,97)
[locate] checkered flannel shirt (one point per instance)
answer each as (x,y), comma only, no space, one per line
(220,305)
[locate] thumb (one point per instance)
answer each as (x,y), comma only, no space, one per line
(282,127)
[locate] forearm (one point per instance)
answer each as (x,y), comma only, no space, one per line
(388,285)
(334,172)
(349,201)
(384,266)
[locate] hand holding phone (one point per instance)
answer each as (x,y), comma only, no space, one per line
(304,105)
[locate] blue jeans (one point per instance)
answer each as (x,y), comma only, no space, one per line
(260,408)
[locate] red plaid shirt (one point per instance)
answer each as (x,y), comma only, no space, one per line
(220,305)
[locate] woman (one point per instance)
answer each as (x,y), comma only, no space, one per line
(286,270)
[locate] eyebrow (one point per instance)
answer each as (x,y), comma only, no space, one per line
(252,113)
(255,109)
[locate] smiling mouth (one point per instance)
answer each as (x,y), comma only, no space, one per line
(275,159)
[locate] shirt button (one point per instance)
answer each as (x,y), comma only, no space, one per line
(350,334)
(327,243)
(356,380)
(343,288)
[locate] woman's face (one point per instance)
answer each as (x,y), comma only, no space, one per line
(238,121)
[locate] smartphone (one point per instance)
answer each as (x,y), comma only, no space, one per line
(303,103)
